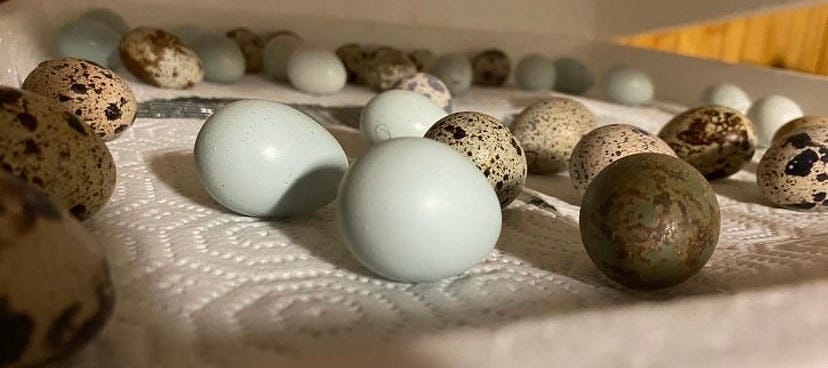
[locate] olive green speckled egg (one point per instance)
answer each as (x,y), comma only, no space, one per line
(649,221)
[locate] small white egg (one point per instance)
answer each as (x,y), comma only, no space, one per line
(398,113)
(266,159)
(316,71)
(727,95)
(415,210)
(770,113)
(628,86)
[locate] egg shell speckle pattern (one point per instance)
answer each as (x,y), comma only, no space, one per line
(353,56)
(607,144)
(650,221)
(793,173)
(718,141)
(96,95)
(491,68)
(385,67)
(489,145)
(48,146)
(798,124)
(252,46)
(160,59)
(429,86)
(55,290)
(549,130)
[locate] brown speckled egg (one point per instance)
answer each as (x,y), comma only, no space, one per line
(489,145)
(422,58)
(549,130)
(491,68)
(48,146)
(605,145)
(55,290)
(252,46)
(429,86)
(160,59)
(798,124)
(386,67)
(718,141)
(353,56)
(793,173)
(96,95)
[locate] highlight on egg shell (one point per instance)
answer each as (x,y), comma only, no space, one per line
(55,290)
(265,159)
(490,146)
(793,172)
(94,94)
(649,221)
(48,146)
(159,58)
(415,210)
(718,141)
(398,113)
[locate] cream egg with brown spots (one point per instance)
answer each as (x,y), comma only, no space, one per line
(798,124)
(48,146)
(793,172)
(549,130)
(607,144)
(159,58)
(96,95)
(488,143)
(491,68)
(55,290)
(385,67)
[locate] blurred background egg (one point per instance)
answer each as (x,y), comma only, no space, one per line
(221,58)
(353,56)
(535,72)
(727,95)
(252,47)
(385,67)
(266,159)
(87,39)
(316,71)
(491,68)
(276,54)
(415,210)
(429,86)
(107,17)
(398,113)
(628,86)
(572,76)
(188,33)
(422,58)
(649,221)
(771,113)
(455,71)
(793,173)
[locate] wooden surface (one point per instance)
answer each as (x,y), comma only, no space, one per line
(794,39)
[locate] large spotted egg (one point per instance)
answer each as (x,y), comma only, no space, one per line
(50,147)
(549,130)
(55,291)
(718,141)
(160,58)
(484,140)
(793,173)
(96,95)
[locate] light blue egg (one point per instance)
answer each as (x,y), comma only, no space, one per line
(628,86)
(316,71)
(188,33)
(770,113)
(416,210)
(87,39)
(276,54)
(266,159)
(535,72)
(727,95)
(107,17)
(398,113)
(221,58)
(572,76)
(455,70)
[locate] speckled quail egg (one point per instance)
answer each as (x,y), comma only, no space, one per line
(770,113)
(55,291)
(802,123)
(495,151)
(422,58)
(716,140)
(160,59)
(649,221)
(793,173)
(48,146)
(455,71)
(429,86)
(726,94)
(252,46)
(386,67)
(96,95)
(549,130)
(491,68)
(607,144)
(353,56)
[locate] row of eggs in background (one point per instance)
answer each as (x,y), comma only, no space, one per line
(422,204)
(103,36)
